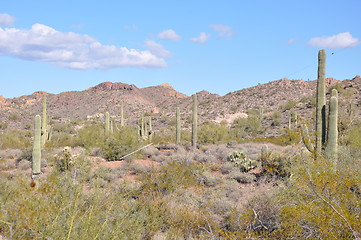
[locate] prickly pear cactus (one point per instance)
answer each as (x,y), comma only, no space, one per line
(239,159)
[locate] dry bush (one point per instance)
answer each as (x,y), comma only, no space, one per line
(24,164)
(150,152)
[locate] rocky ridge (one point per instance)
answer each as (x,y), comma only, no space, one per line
(161,101)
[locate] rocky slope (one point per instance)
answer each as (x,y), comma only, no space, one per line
(276,99)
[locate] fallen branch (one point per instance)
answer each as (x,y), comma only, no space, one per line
(127,155)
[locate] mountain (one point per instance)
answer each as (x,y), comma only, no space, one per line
(276,99)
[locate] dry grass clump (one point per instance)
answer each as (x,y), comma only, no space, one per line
(24,164)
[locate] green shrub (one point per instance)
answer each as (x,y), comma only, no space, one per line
(246,126)
(213,133)
(289,105)
(3,125)
(15,139)
(321,202)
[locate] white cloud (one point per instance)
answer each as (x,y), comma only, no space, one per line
(157,49)
(341,40)
(202,38)
(6,20)
(222,30)
(169,34)
(71,50)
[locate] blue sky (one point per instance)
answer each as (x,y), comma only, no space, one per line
(218,46)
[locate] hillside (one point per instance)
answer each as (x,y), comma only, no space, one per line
(276,99)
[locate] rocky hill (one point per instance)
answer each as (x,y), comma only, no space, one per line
(276,100)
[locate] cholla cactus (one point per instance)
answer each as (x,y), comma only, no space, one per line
(66,160)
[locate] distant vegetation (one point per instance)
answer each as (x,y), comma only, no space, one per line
(203,180)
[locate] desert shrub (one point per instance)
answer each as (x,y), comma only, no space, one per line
(213,133)
(3,125)
(209,179)
(241,177)
(62,140)
(24,164)
(16,139)
(353,137)
(91,136)
(7,164)
(322,202)
(26,154)
(170,177)
(150,152)
(246,126)
(114,146)
(220,152)
(262,217)
(276,165)
(14,117)
(289,105)
(226,167)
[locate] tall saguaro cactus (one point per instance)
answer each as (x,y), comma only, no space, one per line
(107,124)
(195,121)
(44,123)
(122,116)
(150,131)
(332,135)
(36,157)
(321,103)
(178,126)
(142,126)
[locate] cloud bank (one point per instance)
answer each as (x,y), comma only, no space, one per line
(341,40)
(157,49)
(71,50)
(202,38)
(6,20)
(222,30)
(169,34)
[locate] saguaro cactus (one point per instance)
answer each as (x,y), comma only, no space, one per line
(121,116)
(142,126)
(36,157)
(332,135)
(44,123)
(107,123)
(150,131)
(195,121)
(111,125)
(321,102)
(178,126)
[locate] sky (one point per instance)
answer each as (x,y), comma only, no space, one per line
(194,45)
